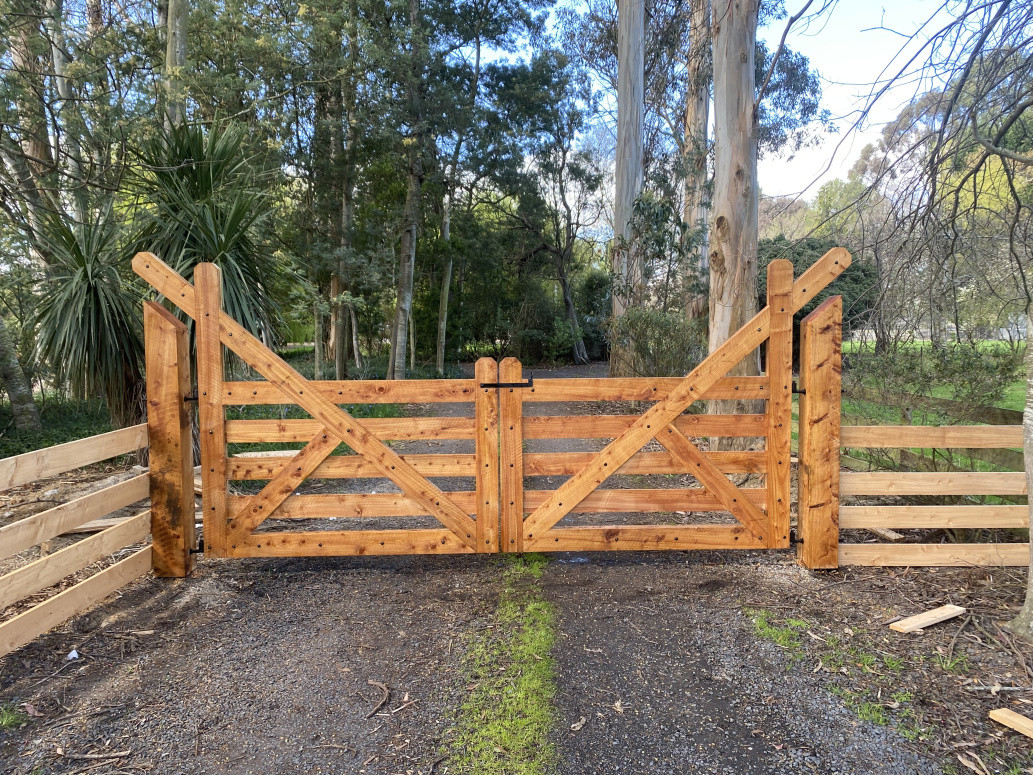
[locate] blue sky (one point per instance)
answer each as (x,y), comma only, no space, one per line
(850,53)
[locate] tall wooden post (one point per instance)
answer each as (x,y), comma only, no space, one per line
(511,410)
(167,359)
(211,412)
(820,375)
(486,453)
(780,401)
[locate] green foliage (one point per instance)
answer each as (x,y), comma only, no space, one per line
(659,343)
(787,635)
(88,316)
(205,203)
(857,285)
(63,421)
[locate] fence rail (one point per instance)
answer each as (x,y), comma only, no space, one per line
(49,569)
(903,517)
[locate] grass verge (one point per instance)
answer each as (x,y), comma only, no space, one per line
(505,723)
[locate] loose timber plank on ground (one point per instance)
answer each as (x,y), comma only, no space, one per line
(50,569)
(1013,720)
(21,469)
(927,618)
(932,437)
(25,533)
(931,555)
(74,600)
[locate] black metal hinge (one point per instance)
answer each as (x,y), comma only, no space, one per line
(190,397)
(799,391)
(529,383)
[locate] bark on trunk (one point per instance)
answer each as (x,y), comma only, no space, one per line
(317,341)
(13,380)
(355,336)
(1022,625)
(403,298)
(697,119)
(446,286)
(734,225)
(579,352)
(175,61)
(627,267)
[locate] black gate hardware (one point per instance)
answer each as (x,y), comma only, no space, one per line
(529,383)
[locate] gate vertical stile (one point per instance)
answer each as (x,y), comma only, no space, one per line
(511,405)
(780,401)
(486,454)
(211,412)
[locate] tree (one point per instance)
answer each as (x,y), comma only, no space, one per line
(19,390)
(627,263)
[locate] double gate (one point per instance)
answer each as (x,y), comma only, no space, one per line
(468,482)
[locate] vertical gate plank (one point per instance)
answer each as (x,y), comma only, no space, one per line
(511,411)
(211,413)
(780,403)
(167,348)
(820,369)
(486,454)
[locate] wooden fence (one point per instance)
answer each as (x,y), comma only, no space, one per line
(821,517)
(47,525)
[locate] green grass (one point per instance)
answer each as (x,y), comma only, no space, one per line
(504,725)
(11,717)
(787,635)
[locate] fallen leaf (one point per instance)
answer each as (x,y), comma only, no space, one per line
(576,727)
(30,710)
(618,707)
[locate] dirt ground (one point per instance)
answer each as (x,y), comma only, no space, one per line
(708,662)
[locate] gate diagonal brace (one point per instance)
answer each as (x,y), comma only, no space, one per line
(337,422)
(572,492)
(716,483)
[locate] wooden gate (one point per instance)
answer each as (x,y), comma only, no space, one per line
(497,513)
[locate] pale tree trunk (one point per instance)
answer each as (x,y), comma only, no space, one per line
(734,223)
(317,340)
(1022,625)
(697,119)
(66,104)
(355,336)
(627,268)
(19,391)
(580,353)
(403,298)
(175,61)
(412,343)
(446,286)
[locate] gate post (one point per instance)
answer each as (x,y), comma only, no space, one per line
(820,376)
(171,466)
(780,400)
(486,455)
(210,409)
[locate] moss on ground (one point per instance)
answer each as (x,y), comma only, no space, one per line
(505,723)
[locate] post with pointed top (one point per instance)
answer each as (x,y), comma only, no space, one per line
(820,376)
(486,454)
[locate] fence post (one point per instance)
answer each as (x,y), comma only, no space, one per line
(486,454)
(210,409)
(820,376)
(780,400)
(167,360)
(511,411)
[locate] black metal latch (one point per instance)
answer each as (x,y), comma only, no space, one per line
(529,383)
